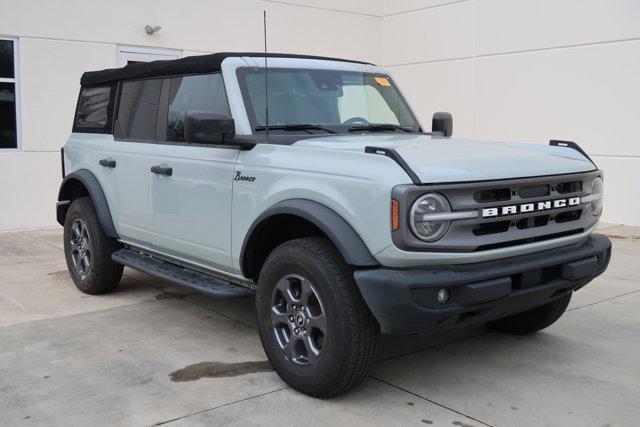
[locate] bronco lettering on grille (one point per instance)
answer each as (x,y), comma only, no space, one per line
(530,207)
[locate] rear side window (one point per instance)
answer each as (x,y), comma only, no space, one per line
(138,110)
(194,93)
(93,107)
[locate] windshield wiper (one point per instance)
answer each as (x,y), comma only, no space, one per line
(381,127)
(295,126)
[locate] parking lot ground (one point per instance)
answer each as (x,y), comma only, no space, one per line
(67,358)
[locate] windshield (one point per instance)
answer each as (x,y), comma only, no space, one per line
(324,100)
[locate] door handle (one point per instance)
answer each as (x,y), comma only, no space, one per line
(162,170)
(107,163)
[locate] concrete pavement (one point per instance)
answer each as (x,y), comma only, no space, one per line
(67,358)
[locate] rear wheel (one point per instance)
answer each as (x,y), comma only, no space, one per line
(88,250)
(316,329)
(533,320)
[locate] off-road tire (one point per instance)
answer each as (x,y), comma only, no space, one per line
(533,320)
(349,348)
(103,275)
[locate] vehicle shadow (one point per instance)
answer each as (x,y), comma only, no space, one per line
(242,310)
(392,346)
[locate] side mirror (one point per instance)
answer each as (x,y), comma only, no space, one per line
(208,127)
(442,122)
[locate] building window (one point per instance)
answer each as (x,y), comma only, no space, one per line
(9,106)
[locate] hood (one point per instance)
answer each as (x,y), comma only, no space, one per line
(438,160)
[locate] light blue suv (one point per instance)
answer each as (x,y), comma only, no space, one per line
(310,183)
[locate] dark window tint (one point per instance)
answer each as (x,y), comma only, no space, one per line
(93,106)
(138,109)
(8,136)
(6,59)
(194,93)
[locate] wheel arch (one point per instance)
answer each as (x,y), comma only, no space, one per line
(302,218)
(83,183)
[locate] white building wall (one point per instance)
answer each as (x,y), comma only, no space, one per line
(529,70)
(58,41)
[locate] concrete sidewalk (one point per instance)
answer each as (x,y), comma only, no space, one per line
(67,358)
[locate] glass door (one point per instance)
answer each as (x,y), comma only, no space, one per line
(134,54)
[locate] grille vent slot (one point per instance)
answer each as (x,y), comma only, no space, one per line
(492,195)
(569,216)
(534,191)
(569,187)
(491,228)
(531,222)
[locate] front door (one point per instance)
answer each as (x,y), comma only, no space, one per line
(190,193)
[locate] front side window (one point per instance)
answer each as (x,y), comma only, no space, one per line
(340,101)
(8,95)
(138,110)
(194,94)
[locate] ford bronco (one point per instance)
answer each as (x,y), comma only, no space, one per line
(310,183)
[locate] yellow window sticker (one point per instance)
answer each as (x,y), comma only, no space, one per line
(383,81)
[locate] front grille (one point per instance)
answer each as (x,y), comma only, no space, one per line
(484,233)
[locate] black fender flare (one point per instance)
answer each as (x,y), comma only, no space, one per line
(344,237)
(91,183)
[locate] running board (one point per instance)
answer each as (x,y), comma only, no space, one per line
(183,276)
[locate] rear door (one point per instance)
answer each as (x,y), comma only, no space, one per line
(125,170)
(191,188)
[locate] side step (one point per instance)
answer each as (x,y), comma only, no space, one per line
(200,282)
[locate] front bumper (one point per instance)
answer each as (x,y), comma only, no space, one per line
(404,300)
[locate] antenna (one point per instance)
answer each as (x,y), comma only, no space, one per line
(266,79)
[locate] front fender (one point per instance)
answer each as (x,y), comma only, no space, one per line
(344,237)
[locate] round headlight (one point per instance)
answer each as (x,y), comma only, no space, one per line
(422,227)
(597,190)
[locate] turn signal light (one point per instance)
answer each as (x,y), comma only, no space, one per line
(395,218)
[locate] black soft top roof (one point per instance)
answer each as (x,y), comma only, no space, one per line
(189,65)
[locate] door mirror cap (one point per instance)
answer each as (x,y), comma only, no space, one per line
(208,127)
(442,123)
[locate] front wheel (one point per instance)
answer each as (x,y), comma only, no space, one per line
(316,329)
